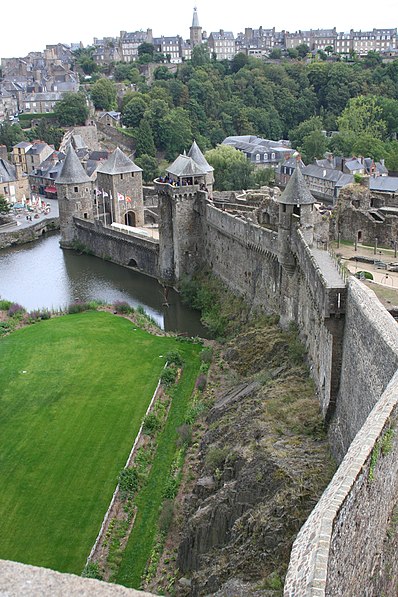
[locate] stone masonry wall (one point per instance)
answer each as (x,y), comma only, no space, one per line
(370,359)
(339,549)
(19,236)
(134,251)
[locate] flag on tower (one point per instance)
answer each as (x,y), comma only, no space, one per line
(120,197)
(128,199)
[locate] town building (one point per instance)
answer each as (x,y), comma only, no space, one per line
(260,152)
(14,183)
(129,43)
(222,44)
(169,47)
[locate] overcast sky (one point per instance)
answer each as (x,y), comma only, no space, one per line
(32,25)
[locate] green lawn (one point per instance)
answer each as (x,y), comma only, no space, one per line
(73,392)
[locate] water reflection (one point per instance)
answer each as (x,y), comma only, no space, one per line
(41,274)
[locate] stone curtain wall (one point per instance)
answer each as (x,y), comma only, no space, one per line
(339,549)
(139,252)
(20,236)
(370,359)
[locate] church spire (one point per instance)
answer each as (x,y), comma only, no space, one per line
(195,18)
(195,30)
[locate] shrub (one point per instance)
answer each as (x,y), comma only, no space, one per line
(92,570)
(215,458)
(128,482)
(4,328)
(174,358)
(151,424)
(168,376)
(15,310)
(206,355)
(166,515)
(78,307)
(141,310)
(201,382)
(184,435)
(122,307)
(5,305)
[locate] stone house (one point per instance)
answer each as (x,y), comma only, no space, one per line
(325,183)
(14,183)
(31,155)
(111,118)
(169,46)
(129,42)
(260,152)
(222,44)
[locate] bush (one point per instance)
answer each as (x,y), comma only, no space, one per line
(166,515)
(122,307)
(168,376)
(215,458)
(151,424)
(15,310)
(141,310)
(92,570)
(206,355)
(184,436)
(38,314)
(5,305)
(128,482)
(78,307)
(201,382)
(4,328)
(174,358)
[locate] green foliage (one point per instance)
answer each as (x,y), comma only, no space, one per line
(166,515)
(10,134)
(92,570)
(128,482)
(151,424)
(305,129)
(232,170)
(47,132)
(5,305)
(134,111)
(200,55)
(314,146)
(150,168)
(363,115)
(71,110)
(84,59)
(206,355)
(127,72)
(103,94)
(5,207)
(174,357)
(122,307)
(168,376)
(275,54)
(144,143)
(215,458)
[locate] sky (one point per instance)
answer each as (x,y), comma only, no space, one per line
(75,20)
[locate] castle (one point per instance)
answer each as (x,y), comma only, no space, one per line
(267,252)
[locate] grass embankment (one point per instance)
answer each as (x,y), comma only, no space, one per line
(74,392)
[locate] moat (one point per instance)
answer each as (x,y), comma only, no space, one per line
(41,274)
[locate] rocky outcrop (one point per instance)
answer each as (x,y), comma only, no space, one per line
(264,463)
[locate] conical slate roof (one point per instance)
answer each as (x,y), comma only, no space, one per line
(185,166)
(199,158)
(72,171)
(195,18)
(118,163)
(296,191)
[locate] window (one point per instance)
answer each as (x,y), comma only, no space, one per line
(76,189)
(121,177)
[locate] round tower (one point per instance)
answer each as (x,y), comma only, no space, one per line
(195,30)
(296,209)
(75,197)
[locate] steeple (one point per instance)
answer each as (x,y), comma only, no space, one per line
(195,30)
(72,172)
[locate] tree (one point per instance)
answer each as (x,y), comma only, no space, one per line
(84,59)
(302,50)
(200,55)
(5,207)
(10,134)
(232,170)
(162,73)
(71,110)
(126,72)
(144,144)
(134,111)
(146,52)
(292,53)
(314,146)
(329,50)
(175,132)
(363,115)
(300,132)
(103,94)
(48,133)
(275,53)
(239,61)
(149,165)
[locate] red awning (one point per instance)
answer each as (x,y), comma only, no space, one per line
(50,190)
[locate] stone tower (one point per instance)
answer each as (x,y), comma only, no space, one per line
(75,196)
(198,157)
(196,30)
(180,233)
(296,205)
(120,181)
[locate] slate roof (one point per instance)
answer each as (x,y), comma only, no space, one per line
(296,191)
(251,144)
(37,148)
(198,157)
(118,163)
(7,171)
(195,18)
(325,173)
(185,166)
(72,171)
(384,184)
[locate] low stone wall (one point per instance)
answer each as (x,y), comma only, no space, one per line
(141,253)
(339,549)
(19,236)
